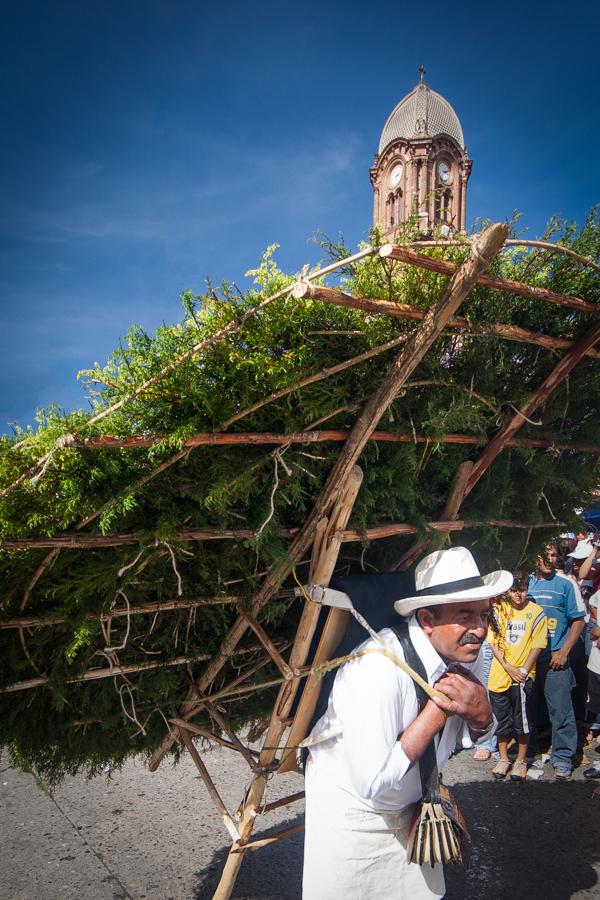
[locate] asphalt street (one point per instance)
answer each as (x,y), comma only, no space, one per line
(158,837)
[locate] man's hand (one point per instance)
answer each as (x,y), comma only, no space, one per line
(467,697)
(559,660)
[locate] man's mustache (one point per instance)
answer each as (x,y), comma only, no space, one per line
(470,638)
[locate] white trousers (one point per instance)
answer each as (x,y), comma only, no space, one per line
(351,853)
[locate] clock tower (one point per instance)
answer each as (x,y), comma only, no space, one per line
(421,168)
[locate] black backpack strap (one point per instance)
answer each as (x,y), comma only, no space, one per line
(428,761)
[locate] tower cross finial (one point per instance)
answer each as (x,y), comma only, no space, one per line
(422,72)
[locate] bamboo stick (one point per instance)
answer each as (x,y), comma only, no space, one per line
(404,311)
(325,551)
(154,607)
(375,533)
(445,267)
(554,379)
(266,641)
(277,804)
(233,327)
(105,672)
(313,379)
(330,435)
(210,786)
(513,242)
(324,557)
(554,248)
(264,842)
(224,725)
(208,735)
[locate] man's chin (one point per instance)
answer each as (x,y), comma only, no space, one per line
(468,653)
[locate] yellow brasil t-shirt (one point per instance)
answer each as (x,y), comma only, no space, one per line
(521,631)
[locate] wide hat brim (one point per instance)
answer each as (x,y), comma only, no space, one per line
(493,584)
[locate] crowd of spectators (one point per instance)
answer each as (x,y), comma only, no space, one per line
(542,657)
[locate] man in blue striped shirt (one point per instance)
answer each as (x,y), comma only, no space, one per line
(555,679)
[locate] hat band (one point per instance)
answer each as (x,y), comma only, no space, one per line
(453,586)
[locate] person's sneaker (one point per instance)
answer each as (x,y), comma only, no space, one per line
(594,772)
(501,769)
(519,771)
(562,774)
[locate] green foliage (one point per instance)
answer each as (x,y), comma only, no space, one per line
(468,384)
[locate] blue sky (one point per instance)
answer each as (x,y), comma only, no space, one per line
(147,145)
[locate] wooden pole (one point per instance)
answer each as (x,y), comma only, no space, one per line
(445,267)
(377,532)
(318,376)
(513,242)
(285,801)
(404,311)
(259,438)
(556,377)
(264,842)
(221,335)
(327,546)
(208,735)
(210,786)
(266,641)
(106,672)
(158,606)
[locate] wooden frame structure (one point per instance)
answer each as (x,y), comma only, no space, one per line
(326,527)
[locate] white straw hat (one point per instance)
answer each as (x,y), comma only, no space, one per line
(581,551)
(448,576)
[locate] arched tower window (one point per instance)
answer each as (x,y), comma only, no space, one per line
(390,216)
(447,206)
(398,207)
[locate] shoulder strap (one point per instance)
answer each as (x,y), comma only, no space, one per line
(428,761)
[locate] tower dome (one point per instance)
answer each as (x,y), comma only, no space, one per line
(422,113)
(421,167)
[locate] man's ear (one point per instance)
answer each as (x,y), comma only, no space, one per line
(426,620)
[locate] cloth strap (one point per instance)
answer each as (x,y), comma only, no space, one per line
(428,769)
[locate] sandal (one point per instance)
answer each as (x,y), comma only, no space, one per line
(482,755)
(501,769)
(519,771)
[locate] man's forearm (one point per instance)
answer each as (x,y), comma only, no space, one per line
(587,564)
(575,631)
(422,731)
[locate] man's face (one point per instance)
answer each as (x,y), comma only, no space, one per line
(546,563)
(458,630)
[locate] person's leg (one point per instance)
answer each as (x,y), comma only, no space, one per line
(523,740)
(592,717)
(500,703)
(557,692)
(503,747)
(578,663)
(539,705)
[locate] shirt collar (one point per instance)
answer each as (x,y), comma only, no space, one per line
(433,662)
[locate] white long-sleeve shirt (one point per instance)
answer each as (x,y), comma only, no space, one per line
(371,704)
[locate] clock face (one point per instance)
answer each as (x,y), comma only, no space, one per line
(395,176)
(444,173)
